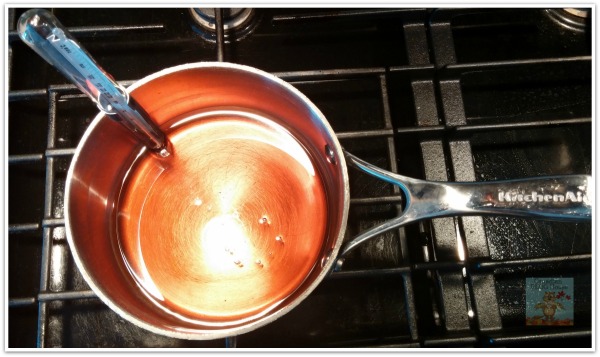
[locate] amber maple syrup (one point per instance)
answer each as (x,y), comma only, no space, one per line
(229,225)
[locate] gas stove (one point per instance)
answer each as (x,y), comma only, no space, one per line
(438,94)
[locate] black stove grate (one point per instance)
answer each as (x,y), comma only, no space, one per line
(448,94)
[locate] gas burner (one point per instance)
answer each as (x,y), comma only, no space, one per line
(574,19)
(237,23)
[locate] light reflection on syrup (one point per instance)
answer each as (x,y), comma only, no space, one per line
(224,240)
(205,235)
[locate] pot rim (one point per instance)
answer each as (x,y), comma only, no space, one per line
(267,317)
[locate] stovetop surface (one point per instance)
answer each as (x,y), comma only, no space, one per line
(438,94)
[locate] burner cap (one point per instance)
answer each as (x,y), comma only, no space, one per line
(575,19)
(585,13)
(237,23)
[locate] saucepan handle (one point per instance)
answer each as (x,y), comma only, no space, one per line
(559,198)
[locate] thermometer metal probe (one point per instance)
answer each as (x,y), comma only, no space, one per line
(41,31)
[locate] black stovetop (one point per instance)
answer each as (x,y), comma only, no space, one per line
(446,94)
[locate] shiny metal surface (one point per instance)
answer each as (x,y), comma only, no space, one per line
(522,91)
(578,12)
(105,155)
(227,86)
(42,31)
(560,198)
(573,19)
(230,25)
(217,232)
(232,19)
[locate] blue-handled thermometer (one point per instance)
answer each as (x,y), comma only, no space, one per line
(41,31)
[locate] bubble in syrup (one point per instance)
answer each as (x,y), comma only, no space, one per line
(279,239)
(264,220)
(197,202)
(259,263)
(238,263)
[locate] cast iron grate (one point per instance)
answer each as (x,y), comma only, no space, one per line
(404,89)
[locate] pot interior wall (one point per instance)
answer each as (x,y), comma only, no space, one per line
(106,154)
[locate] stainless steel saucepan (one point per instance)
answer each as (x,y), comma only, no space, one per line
(105,152)
(248,214)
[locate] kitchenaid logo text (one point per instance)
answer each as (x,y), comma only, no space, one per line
(534,196)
